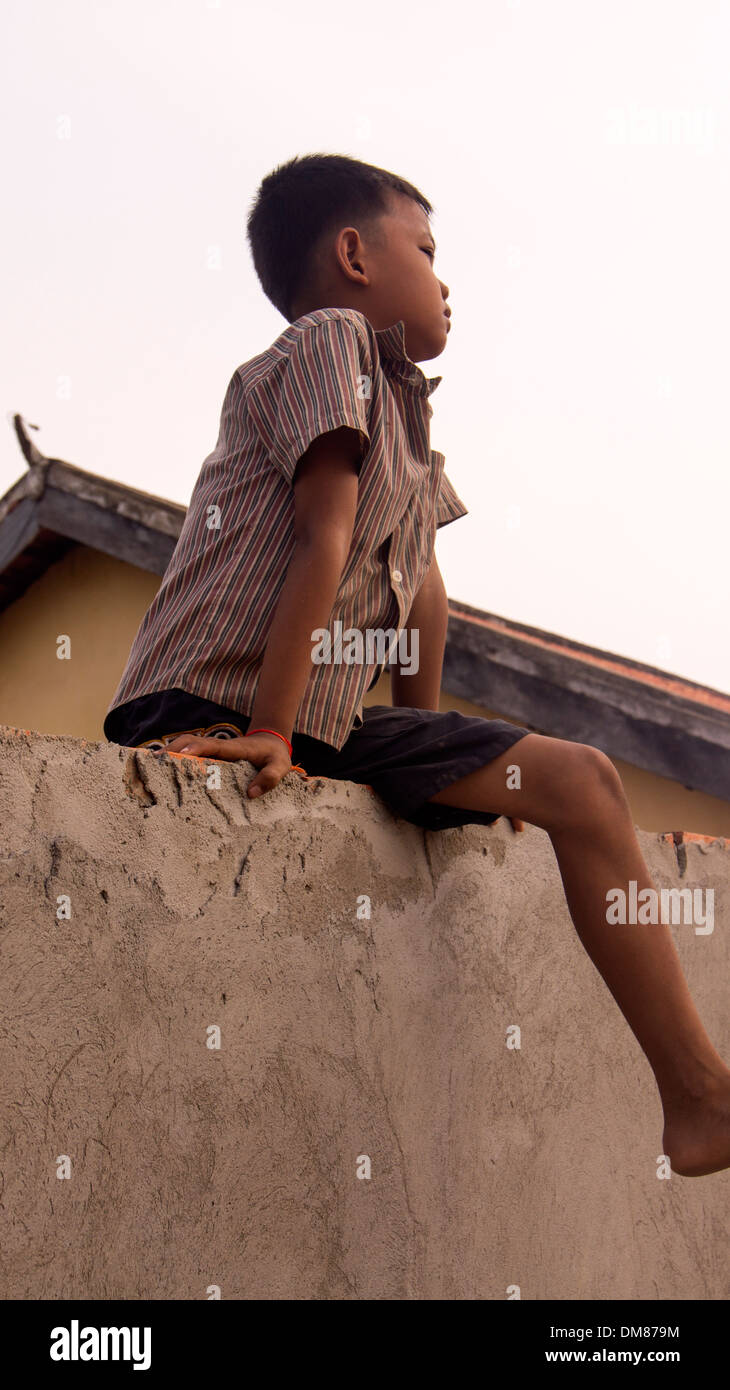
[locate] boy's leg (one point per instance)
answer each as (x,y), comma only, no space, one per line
(573,791)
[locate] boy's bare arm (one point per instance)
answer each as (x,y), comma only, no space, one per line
(325,501)
(429,615)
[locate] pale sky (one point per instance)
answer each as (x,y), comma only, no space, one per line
(577,158)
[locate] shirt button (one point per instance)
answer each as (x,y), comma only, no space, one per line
(397,576)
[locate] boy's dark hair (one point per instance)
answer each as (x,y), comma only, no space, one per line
(301,201)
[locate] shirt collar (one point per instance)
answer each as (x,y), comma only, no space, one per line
(392,349)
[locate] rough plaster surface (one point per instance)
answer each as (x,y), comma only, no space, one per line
(340,1037)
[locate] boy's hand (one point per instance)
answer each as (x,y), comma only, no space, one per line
(265,751)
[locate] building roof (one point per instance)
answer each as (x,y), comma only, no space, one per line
(648,717)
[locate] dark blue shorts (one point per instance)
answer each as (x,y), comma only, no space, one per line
(406,755)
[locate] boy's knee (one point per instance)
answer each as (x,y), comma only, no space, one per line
(594,778)
(579,785)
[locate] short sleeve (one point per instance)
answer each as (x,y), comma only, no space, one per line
(449,506)
(323,383)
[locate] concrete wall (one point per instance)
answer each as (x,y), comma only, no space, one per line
(99,603)
(341,1036)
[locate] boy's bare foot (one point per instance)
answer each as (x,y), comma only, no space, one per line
(697,1131)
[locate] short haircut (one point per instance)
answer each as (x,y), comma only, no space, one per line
(300,202)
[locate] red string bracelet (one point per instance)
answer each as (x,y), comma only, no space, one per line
(278,735)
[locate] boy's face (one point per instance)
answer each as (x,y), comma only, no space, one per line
(390,282)
(402,280)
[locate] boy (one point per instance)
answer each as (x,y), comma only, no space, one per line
(320,505)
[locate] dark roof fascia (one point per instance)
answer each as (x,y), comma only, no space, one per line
(55,506)
(557,687)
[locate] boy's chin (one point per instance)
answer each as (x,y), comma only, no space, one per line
(437,344)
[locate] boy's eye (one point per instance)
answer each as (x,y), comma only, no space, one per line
(428,251)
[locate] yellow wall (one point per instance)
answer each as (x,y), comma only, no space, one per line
(99,603)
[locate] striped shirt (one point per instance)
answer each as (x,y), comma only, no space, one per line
(206,630)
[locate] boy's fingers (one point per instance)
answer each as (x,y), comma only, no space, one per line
(265,780)
(232,750)
(201,747)
(183,743)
